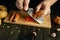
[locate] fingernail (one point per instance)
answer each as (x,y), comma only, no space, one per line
(37,10)
(25,8)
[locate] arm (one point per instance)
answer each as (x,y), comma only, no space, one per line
(49,2)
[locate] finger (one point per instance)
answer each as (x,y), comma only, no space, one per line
(26,4)
(19,4)
(49,11)
(46,12)
(38,7)
(38,14)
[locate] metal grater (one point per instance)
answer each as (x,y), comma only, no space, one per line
(38,20)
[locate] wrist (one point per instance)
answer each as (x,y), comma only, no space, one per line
(49,2)
(46,3)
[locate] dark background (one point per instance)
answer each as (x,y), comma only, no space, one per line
(55,11)
(10,4)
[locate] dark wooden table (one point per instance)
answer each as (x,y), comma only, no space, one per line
(21,32)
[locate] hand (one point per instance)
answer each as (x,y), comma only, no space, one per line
(22,4)
(45,7)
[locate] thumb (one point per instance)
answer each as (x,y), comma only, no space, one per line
(26,4)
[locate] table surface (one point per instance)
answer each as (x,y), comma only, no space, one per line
(20,32)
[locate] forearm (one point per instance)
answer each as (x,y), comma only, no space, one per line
(49,2)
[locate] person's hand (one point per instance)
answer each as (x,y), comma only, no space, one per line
(22,4)
(45,7)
